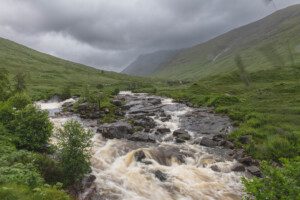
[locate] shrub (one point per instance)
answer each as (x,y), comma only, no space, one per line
(74,155)
(32,127)
(23,192)
(49,168)
(66,93)
(277,183)
(19,101)
(223,100)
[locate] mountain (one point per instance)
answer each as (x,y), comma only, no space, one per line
(47,74)
(261,45)
(147,64)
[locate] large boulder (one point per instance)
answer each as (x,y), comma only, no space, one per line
(205,141)
(116,130)
(181,135)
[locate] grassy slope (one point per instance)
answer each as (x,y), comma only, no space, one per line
(47,74)
(268,110)
(276,29)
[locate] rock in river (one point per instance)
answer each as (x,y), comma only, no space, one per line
(116,130)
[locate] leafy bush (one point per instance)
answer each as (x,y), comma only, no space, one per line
(32,127)
(19,101)
(49,168)
(278,182)
(74,155)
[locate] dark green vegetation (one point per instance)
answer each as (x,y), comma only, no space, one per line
(256,42)
(74,142)
(26,169)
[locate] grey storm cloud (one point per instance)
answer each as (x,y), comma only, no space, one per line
(111,34)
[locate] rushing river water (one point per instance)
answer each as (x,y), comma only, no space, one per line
(169,170)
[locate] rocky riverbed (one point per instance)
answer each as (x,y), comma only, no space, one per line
(160,150)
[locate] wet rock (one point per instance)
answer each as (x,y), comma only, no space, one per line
(246,160)
(154,101)
(119,112)
(238,167)
(162,130)
(254,171)
(142,137)
(238,154)
(145,122)
(178,140)
(116,130)
(139,156)
(215,168)
(116,102)
(181,135)
(245,139)
(147,162)
(160,175)
(205,141)
(227,144)
(218,137)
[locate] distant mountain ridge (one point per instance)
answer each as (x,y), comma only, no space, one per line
(278,31)
(147,64)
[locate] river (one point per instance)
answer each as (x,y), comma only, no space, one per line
(161,167)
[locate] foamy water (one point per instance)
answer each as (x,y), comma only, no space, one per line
(120,176)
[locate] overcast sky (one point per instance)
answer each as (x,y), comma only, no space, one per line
(110,34)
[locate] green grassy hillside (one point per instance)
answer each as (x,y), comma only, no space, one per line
(277,33)
(47,74)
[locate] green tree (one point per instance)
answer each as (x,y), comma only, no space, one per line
(74,154)
(32,127)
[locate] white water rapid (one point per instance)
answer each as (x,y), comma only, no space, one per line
(120,176)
